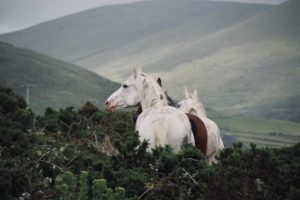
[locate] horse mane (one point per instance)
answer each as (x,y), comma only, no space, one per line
(158,95)
(166,97)
(198,107)
(171,102)
(140,110)
(169,99)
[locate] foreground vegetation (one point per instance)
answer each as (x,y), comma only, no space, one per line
(91,154)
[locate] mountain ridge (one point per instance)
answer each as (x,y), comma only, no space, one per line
(136,21)
(243,62)
(50,82)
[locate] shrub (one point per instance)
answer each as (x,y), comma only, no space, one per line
(64,156)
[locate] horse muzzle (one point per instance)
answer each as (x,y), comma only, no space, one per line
(110,106)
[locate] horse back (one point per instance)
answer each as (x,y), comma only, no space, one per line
(199,131)
(164,125)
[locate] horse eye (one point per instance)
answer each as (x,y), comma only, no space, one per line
(178,106)
(125,86)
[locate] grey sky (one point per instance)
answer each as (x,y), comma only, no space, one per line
(256,1)
(19,14)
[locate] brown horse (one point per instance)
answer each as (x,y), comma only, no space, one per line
(198,127)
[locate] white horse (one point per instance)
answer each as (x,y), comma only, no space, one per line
(192,105)
(159,124)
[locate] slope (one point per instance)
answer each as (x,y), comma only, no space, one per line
(51,83)
(249,68)
(243,58)
(263,132)
(90,33)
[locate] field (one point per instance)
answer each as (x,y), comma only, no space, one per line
(272,133)
(51,82)
(242,58)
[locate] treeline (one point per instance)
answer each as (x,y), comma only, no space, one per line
(91,154)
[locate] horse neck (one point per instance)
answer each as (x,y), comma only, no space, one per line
(137,113)
(152,96)
(198,110)
(150,100)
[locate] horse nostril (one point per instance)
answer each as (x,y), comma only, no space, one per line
(106,103)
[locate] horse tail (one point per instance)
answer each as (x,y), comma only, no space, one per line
(221,144)
(216,153)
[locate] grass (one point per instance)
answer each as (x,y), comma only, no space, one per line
(243,59)
(261,131)
(55,83)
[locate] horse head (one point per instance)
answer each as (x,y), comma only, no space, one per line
(131,91)
(125,96)
(189,101)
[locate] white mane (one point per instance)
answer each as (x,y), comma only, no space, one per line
(192,105)
(151,94)
(198,108)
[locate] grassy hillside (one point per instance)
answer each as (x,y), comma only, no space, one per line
(255,70)
(251,67)
(272,133)
(243,58)
(52,82)
(90,33)
(167,37)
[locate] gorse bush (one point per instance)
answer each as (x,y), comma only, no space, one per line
(89,154)
(82,191)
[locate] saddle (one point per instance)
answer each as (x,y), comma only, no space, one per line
(199,131)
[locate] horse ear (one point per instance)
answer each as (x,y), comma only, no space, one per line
(186,93)
(159,82)
(136,71)
(195,93)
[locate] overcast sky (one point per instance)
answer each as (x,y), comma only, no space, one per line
(257,1)
(19,14)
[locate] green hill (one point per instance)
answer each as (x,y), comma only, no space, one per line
(262,132)
(251,68)
(243,58)
(90,33)
(162,36)
(51,82)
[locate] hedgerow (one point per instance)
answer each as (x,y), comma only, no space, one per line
(91,154)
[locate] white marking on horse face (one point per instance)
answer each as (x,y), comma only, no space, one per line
(185,105)
(125,96)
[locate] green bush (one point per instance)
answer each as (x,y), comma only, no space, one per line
(90,154)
